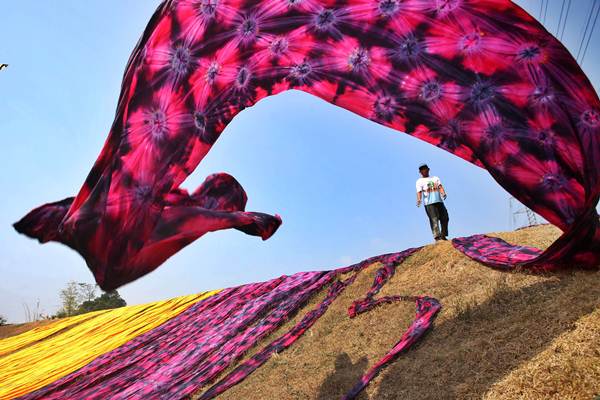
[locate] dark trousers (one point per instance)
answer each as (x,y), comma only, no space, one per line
(438,215)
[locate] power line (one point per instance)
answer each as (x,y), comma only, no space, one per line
(587,25)
(546,10)
(590,36)
(541,9)
(562,9)
(566,17)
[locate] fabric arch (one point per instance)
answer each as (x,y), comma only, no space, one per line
(480,79)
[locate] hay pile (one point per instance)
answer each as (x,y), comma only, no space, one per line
(498,336)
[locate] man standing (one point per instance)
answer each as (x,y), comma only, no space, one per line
(431,192)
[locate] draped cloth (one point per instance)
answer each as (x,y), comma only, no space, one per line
(191,351)
(35,359)
(478,78)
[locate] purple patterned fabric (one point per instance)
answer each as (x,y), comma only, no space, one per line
(191,350)
(580,250)
(382,276)
(479,78)
(278,345)
(495,252)
(426,311)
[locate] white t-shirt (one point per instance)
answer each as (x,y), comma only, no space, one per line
(430,187)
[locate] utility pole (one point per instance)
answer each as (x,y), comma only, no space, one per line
(515,210)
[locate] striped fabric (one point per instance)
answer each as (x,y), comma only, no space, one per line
(25,339)
(177,348)
(34,359)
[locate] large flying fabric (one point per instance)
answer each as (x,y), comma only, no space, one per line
(479,78)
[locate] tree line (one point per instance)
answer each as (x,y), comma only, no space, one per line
(80,298)
(76,298)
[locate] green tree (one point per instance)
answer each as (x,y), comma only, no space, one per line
(3,320)
(105,301)
(70,299)
(79,298)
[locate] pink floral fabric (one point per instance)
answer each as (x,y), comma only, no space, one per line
(192,350)
(479,78)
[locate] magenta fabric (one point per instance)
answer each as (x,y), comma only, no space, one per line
(109,237)
(246,368)
(382,276)
(427,309)
(496,252)
(174,359)
(193,349)
(580,251)
(479,78)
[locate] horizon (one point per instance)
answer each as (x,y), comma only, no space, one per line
(342,199)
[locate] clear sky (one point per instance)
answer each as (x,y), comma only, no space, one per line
(343,185)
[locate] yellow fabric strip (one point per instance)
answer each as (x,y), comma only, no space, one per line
(50,356)
(25,339)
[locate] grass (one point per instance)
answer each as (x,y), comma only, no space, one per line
(495,338)
(499,335)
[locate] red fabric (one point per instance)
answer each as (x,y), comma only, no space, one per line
(479,78)
(193,349)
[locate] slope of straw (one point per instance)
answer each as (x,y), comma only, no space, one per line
(499,335)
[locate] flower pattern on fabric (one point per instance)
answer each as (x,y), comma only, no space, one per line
(479,78)
(192,350)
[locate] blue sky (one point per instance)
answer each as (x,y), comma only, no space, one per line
(343,185)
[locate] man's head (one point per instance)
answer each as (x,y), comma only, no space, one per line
(424,170)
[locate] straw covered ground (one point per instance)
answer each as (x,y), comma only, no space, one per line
(498,336)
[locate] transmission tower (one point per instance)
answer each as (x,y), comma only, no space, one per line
(518,209)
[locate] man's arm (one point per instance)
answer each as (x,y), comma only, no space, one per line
(441,189)
(419,194)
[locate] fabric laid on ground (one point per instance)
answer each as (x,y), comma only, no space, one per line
(278,345)
(427,308)
(479,78)
(193,349)
(56,355)
(495,252)
(27,338)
